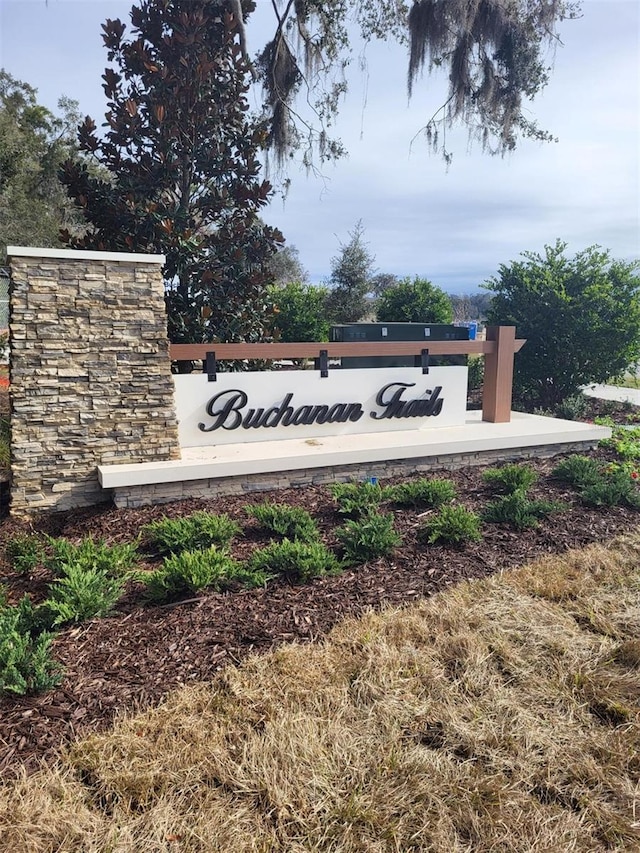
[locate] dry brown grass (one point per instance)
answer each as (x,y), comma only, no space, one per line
(502,715)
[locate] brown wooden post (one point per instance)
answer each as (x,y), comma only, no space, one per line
(498,375)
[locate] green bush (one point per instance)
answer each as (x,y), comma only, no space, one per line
(518,511)
(422,492)
(572,408)
(24,552)
(577,470)
(368,537)
(26,665)
(476,372)
(510,478)
(614,488)
(624,442)
(82,593)
(452,525)
(356,498)
(5,444)
(192,571)
(290,521)
(299,561)
(90,556)
(414,301)
(190,533)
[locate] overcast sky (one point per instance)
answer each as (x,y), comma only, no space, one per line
(454,227)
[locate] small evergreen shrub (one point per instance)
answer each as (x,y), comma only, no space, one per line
(193,571)
(82,593)
(475,367)
(24,552)
(452,525)
(510,478)
(572,408)
(298,561)
(192,532)
(26,665)
(368,537)
(90,556)
(518,511)
(422,492)
(356,499)
(614,488)
(577,470)
(291,522)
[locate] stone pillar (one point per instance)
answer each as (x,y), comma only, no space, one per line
(90,372)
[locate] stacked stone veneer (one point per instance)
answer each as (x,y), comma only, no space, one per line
(90,373)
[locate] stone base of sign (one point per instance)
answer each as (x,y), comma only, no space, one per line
(243,468)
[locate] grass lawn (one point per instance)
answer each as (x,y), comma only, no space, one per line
(500,715)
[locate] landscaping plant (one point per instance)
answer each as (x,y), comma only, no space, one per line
(451,525)
(24,552)
(614,487)
(89,556)
(517,510)
(368,537)
(82,593)
(290,521)
(510,478)
(356,498)
(297,561)
(26,665)
(189,533)
(577,470)
(193,571)
(422,492)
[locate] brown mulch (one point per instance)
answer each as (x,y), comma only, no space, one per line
(133,658)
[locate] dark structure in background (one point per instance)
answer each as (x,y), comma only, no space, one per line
(359,332)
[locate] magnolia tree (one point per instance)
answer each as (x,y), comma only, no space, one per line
(182,155)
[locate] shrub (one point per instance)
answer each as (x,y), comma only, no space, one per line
(453,525)
(417,301)
(572,408)
(90,556)
(476,372)
(192,532)
(614,488)
(298,561)
(577,470)
(24,552)
(26,665)
(624,442)
(290,521)
(82,593)
(5,444)
(510,478)
(422,492)
(356,498)
(368,537)
(518,511)
(192,571)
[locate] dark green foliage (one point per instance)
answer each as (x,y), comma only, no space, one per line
(422,492)
(451,525)
(417,301)
(193,571)
(82,593)
(199,530)
(368,537)
(5,441)
(510,478)
(580,317)
(24,552)
(356,498)
(516,510)
(299,312)
(614,488)
(26,665)
(476,373)
(109,560)
(297,561)
(350,281)
(183,156)
(291,522)
(577,471)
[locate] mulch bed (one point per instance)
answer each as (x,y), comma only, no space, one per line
(130,660)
